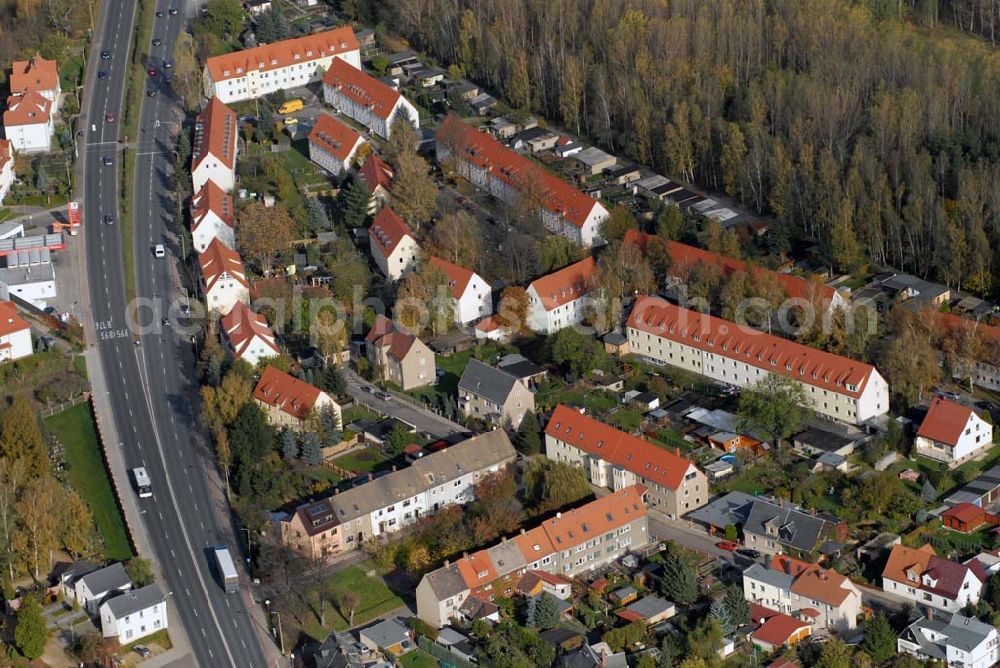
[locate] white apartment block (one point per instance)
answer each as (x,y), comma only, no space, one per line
(6,168)
(29,122)
(213,147)
(333,145)
(562,298)
(213,216)
(393,246)
(471,296)
(224,280)
(821,596)
(366,99)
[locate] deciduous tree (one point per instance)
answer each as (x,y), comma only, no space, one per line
(21,437)
(776,407)
(140,571)
(187,74)
(263,233)
(31,632)
(414,193)
(457,238)
(513,309)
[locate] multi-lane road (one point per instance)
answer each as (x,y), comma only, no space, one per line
(150,385)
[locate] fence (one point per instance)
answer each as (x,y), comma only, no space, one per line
(443,653)
(52,409)
(105,459)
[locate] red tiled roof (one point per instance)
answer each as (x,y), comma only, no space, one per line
(387,230)
(10,320)
(965,513)
(293,396)
(778,628)
(945,421)
(219,260)
(477,569)
(482,150)
(596,438)
(812,581)
(376,173)
(956,323)
(949,575)
(569,283)
(489,324)
(35,74)
(28,109)
(334,136)
(687,257)
(242,326)
(363,90)
(215,132)
(282,54)
(750,346)
(458,277)
(212,199)
(385,335)
(6,153)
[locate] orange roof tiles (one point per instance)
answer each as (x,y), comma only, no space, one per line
(482,150)
(362,89)
(945,421)
(477,569)
(212,199)
(948,576)
(376,173)
(242,326)
(293,396)
(334,136)
(596,438)
(36,74)
(282,54)
(489,324)
(750,346)
(458,276)
(812,581)
(385,335)
(780,629)
(686,257)
(10,320)
(387,230)
(6,153)
(28,109)
(218,261)
(214,133)
(567,284)
(534,544)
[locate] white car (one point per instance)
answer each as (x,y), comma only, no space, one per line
(159,250)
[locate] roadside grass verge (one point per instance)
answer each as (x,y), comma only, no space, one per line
(75,430)
(375,599)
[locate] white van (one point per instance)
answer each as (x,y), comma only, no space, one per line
(143,488)
(159,250)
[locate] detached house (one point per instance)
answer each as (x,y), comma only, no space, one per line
(289,401)
(471,296)
(223,278)
(402,358)
(29,122)
(561,299)
(333,145)
(819,596)
(290,63)
(36,74)
(959,642)
(249,336)
(921,576)
(393,246)
(953,433)
(89,591)
(613,459)
(134,614)
(15,334)
(213,146)
(212,217)
(378,177)
(366,99)
(493,395)
(6,168)
(775,527)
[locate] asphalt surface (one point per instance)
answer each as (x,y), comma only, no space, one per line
(150,385)
(402,408)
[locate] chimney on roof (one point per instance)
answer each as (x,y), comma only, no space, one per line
(465,555)
(523,531)
(788,566)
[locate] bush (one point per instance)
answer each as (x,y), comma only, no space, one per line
(422,628)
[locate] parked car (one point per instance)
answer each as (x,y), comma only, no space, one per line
(142,650)
(747,552)
(384,396)
(727,545)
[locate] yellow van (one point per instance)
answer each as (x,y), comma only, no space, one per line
(290,106)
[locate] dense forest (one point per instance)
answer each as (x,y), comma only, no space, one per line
(872,127)
(48,26)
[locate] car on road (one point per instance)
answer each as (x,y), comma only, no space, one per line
(109,117)
(109,219)
(953,396)
(172,11)
(984,405)
(168,64)
(159,251)
(102,74)
(159,13)
(151,92)
(727,545)
(152,72)
(105,55)
(747,552)
(107,160)
(157,41)
(384,396)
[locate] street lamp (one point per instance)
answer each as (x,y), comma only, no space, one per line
(249,545)
(281,636)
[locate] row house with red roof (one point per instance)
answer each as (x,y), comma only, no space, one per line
(223,279)
(290,63)
(291,402)
(837,387)
(985,368)
(399,356)
(6,168)
(393,246)
(569,544)
(333,145)
(213,147)
(921,576)
(15,334)
(36,74)
(614,459)
(365,99)
(378,176)
(512,177)
(953,433)
(563,298)
(29,122)
(248,335)
(213,217)
(471,296)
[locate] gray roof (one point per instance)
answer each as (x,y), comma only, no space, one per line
(132,602)
(592,155)
(482,380)
(625,591)
(107,579)
(615,338)
(786,524)
(831,459)
(387,633)
(965,633)
(339,650)
(449,636)
(519,366)
(446,582)
(732,508)
(975,490)
(761,573)
(506,557)
(650,606)
(824,439)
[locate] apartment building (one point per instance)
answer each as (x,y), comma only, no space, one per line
(959,642)
(395,500)
(837,387)
(562,298)
(291,402)
(953,433)
(616,460)
(365,99)
(471,296)
(392,245)
(213,216)
(249,337)
(213,147)
(493,395)
(820,596)
(333,144)
(290,63)
(984,370)
(919,575)
(510,177)
(29,122)
(6,168)
(223,277)
(568,544)
(36,74)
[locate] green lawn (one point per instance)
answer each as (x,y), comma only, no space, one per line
(453,367)
(364,460)
(75,430)
(80,364)
(358,412)
(626,419)
(374,600)
(418,658)
(71,73)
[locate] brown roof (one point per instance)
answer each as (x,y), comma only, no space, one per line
(6,153)
(215,132)
(945,421)
(10,320)
(385,335)
(28,109)
(363,90)
(282,54)
(334,136)
(598,439)
(293,396)
(218,261)
(813,582)
(458,276)
(387,230)
(750,346)
(905,561)
(569,283)
(212,199)
(376,173)
(775,628)
(35,74)
(242,325)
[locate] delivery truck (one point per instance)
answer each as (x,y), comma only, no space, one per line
(226,569)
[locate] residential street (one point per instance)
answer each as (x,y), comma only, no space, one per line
(402,408)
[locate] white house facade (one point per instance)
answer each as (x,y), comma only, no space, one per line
(249,337)
(959,642)
(212,217)
(29,122)
(393,246)
(213,147)
(562,298)
(953,433)
(471,295)
(919,575)
(15,334)
(365,99)
(134,615)
(333,145)
(223,277)
(6,168)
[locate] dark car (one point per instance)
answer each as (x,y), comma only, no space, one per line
(172,11)
(105,55)
(142,650)
(157,41)
(159,13)
(747,552)
(151,93)
(109,219)
(151,71)
(107,161)
(102,74)
(167,64)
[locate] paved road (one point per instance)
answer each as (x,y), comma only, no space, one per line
(149,386)
(403,408)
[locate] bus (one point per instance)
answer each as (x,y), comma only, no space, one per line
(226,569)
(142,485)
(291,106)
